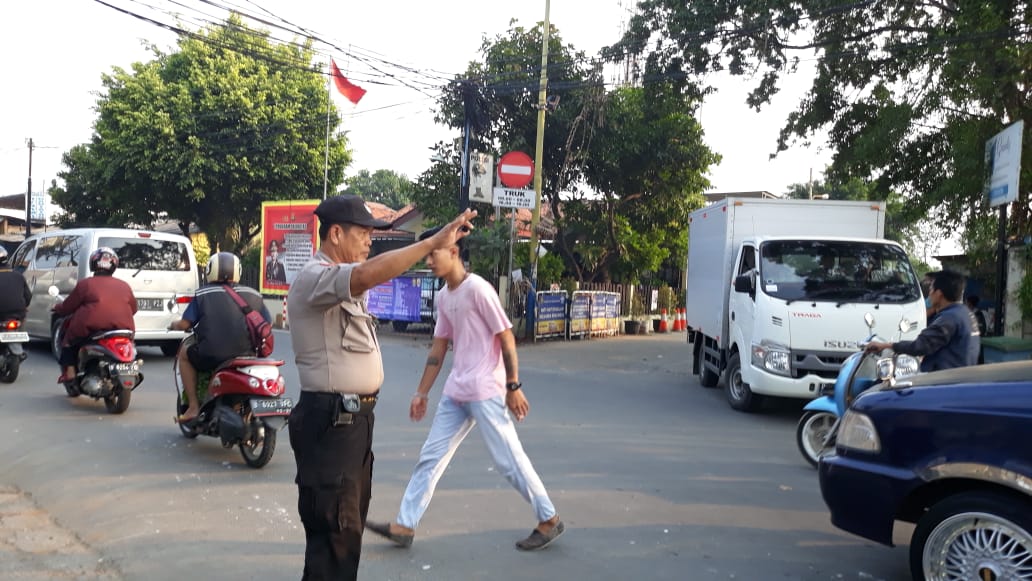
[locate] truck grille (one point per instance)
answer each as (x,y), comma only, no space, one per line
(820,363)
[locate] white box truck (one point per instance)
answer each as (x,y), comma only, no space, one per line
(777,290)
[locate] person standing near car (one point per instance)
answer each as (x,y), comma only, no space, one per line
(951,339)
(482,389)
(341,371)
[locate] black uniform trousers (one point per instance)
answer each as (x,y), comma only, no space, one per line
(334,476)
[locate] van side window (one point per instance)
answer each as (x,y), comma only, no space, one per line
(49,253)
(68,250)
(23,256)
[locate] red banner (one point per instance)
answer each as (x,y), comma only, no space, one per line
(290,237)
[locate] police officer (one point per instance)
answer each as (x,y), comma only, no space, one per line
(341,370)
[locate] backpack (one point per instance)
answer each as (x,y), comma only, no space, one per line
(260,330)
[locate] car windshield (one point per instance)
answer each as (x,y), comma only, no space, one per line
(837,271)
(148,254)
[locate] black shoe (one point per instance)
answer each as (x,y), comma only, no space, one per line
(384,530)
(539,540)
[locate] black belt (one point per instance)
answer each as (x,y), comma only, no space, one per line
(345,402)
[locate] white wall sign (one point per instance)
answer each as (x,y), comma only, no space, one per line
(1003,165)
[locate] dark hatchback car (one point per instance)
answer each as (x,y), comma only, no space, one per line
(950,451)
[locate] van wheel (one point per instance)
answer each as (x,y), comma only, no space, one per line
(170,348)
(738,393)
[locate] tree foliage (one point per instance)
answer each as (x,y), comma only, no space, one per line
(620,170)
(907,91)
(204,135)
(385,186)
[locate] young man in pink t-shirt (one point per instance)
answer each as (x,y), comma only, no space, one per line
(482,388)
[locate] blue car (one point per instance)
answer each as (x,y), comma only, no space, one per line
(951,452)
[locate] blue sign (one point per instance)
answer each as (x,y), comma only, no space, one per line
(397,299)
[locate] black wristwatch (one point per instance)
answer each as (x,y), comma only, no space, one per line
(513,385)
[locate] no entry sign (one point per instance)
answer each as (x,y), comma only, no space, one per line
(515,169)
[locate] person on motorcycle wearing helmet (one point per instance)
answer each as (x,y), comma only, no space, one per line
(15,294)
(97,303)
(220,331)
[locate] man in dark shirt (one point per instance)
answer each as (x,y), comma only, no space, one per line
(220,331)
(951,339)
(14,291)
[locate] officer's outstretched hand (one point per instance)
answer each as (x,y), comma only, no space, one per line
(458,228)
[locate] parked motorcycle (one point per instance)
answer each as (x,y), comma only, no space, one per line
(242,404)
(815,432)
(11,351)
(108,367)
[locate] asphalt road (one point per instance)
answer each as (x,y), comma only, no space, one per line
(655,477)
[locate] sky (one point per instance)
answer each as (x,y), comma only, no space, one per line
(55,52)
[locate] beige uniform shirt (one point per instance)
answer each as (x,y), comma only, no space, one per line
(334,337)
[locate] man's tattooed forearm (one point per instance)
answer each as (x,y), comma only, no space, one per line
(432,361)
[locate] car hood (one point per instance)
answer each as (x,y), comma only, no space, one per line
(1007,372)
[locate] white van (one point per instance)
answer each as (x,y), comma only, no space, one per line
(161,269)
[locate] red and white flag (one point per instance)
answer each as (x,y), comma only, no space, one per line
(351,91)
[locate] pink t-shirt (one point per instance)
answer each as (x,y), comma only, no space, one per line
(471,315)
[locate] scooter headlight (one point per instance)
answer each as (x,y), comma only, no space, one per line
(773,358)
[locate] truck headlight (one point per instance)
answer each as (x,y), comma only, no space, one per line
(857,432)
(773,358)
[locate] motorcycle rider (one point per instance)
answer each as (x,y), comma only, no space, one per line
(219,329)
(15,294)
(98,303)
(951,339)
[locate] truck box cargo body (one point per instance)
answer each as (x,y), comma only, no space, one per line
(813,269)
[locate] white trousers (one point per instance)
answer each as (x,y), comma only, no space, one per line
(452,423)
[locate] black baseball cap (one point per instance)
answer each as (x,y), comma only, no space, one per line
(348,209)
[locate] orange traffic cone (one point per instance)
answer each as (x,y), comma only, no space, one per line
(663,322)
(679,324)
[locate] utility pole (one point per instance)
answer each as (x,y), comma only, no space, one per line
(535,216)
(28,196)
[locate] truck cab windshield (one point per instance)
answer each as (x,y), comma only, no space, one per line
(837,271)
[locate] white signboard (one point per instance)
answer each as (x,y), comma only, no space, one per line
(513,198)
(481,177)
(1003,165)
(38,206)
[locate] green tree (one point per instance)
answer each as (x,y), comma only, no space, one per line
(204,135)
(908,92)
(620,170)
(385,186)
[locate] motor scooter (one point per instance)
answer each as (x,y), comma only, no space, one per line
(815,432)
(11,351)
(108,367)
(242,404)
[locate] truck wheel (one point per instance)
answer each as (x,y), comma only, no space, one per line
(738,393)
(973,535)
(399,326)
(707,377)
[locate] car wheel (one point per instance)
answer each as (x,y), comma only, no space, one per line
(811,434)
(738,393)
(973,535)
(170,348)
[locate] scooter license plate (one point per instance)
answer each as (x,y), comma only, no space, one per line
(263,407)
(14,337)
(125,368)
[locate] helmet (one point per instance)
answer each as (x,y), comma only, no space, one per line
(223,267)
(103,259)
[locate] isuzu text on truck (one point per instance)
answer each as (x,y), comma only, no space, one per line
(778,288)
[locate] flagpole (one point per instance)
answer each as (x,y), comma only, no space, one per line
(326,161)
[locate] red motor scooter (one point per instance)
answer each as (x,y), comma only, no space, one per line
(242,404)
